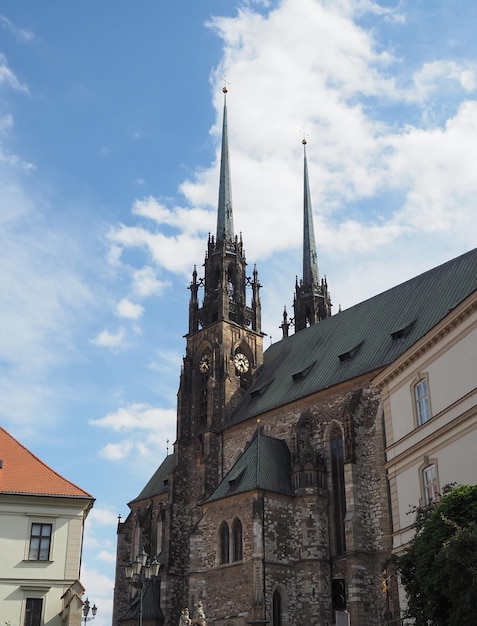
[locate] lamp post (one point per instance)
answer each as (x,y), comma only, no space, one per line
(86,609)
(139,574)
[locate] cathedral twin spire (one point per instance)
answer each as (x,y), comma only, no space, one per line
(225,280)
(310,259)
(225,222)
(312,301)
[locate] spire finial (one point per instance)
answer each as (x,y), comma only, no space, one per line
(226,82)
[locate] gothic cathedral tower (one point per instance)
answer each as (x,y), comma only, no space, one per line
(224,343)
(224,348)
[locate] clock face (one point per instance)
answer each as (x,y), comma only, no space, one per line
(204,365)
(241,362)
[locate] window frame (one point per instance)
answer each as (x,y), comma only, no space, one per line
(224,543)
(237,541)
(277,608)
(29,616)
(337,486)
(40,538)
(421,402)
(430,489)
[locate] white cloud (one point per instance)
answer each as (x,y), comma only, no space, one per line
(8,78)
(437,75)
(103,516)
(107,339)
(106,557)
(98,589)
(21,34)
(131,310)
(117,451)
(136,417)
(148,428)
(437,168)
(145,282)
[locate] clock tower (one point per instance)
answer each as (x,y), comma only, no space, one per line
(224,343)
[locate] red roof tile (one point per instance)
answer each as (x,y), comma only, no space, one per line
(22,472)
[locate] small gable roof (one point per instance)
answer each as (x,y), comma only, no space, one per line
(358,340)
(265,465)
(158,483)
(23,473)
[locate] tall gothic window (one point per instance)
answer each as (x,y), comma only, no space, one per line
(136,541)
(338,489)
(236,540)
(202,401)
(277,608)
(224,543)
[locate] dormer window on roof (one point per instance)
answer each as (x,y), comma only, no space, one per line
(256,393)
(303,373)
(403,331)
(234,482)
(350,354)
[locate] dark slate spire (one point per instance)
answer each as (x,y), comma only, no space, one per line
(225,281)
(225,223)
(312,301)
(310,259)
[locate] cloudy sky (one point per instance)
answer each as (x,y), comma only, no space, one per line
(109,132)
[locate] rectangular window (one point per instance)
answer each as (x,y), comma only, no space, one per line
(40,542)
(33,611)
(431,490)
(421,396)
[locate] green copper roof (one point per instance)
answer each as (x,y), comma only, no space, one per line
(159,481)
(310,259)
(358,340)
(264,465)
(225,223)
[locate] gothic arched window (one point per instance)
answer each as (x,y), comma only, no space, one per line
(338,488)
(202,400)
(237,540)
(277,608)
(224,543)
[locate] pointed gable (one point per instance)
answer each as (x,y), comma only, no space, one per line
(22,473)
(158,483)
(265,464)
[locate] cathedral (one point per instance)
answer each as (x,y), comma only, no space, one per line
(274,507)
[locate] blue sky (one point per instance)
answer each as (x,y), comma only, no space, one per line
(109,132)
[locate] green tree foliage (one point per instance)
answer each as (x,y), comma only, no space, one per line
(439,568)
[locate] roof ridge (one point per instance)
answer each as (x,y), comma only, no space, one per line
(31,454)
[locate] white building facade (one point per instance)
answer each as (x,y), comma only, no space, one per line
(41,529)
(429,397)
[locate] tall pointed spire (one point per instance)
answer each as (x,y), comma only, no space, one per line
(225,281)
(310,259)
(225,223)
(312,301)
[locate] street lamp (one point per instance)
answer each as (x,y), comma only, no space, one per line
(140,573)
(86,609)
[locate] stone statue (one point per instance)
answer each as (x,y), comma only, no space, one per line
(185,619)
(199,616)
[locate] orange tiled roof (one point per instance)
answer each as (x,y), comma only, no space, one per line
(23,473)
